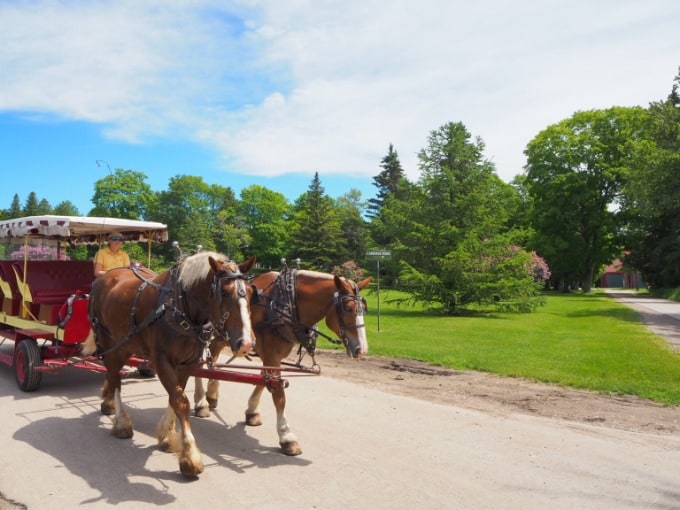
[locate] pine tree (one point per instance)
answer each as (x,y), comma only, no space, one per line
(387,182)
(318,239)
(31,208)
(15,209)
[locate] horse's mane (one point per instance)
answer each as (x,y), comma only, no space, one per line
(315,274)
(195,268)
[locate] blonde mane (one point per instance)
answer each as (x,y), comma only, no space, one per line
(317,274)
(196,267)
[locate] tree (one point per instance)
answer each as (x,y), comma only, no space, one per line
(651,203)
(352,225)
(15,210)
(229,235)
(265,216)
(388,182)
(66,208)
(317,237)
(461,196)
(123,194)
(392,186)
(458,212)
(492,272)
(31,207)
(188,209)
(574,175)
(44,207)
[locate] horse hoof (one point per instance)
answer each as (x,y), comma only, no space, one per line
(190,470)
(202,412)
(108,409)
(292,448)
(212,402)
(122,433)
(253,419)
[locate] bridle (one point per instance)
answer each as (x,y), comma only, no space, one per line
(216,292)
(339,300)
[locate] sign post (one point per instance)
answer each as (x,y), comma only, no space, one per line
(377,255)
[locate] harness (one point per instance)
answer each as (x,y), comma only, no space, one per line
(171,307)
(283,315)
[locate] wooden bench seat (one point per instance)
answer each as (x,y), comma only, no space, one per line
(49,283)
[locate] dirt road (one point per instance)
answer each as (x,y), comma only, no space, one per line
(363,447)
(376,433)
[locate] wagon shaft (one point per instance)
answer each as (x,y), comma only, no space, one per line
(242,377)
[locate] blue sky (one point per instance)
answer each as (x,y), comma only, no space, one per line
(268,92)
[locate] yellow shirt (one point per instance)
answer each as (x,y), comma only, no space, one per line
(109,260)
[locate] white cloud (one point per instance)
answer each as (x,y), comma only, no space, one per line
(370,73)
(304,86)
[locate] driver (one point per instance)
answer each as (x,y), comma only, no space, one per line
(111,256)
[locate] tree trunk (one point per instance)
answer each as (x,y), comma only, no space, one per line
(588,280)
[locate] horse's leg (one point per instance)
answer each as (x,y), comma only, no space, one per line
(253,417)
(108,405)
(111,384)
(122,424)
(287,439)
(204,401)
(190,462)
(201,407)
(111,399)
(213,395)
(168,440)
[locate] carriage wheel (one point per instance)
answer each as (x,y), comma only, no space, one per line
(26,359)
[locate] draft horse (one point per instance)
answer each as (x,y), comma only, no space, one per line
(170,319)
(289,305)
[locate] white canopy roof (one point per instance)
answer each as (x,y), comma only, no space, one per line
(82,229)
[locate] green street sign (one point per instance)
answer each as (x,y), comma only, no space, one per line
(378,254)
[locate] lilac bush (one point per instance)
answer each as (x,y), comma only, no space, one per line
(39,253)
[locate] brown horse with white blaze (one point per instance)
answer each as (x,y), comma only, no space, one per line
(170,319)
(289,306)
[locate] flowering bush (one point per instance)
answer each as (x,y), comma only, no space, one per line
(539,268)
(39,253)
(349,270)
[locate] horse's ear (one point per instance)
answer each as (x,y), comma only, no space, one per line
(341,284)
(364,283)
(213,263)
(245,266)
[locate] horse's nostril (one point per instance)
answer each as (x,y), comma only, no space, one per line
(241,346)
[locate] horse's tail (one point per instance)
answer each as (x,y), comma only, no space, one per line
(89,347)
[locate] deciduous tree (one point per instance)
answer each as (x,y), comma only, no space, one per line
(574,174)
(652,196)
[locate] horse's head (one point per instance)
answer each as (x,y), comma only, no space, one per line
(346,315)
(231,295)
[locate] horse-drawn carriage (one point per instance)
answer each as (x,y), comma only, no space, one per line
(44,294)
(57,314)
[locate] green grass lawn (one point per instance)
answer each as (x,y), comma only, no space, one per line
(583,341)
